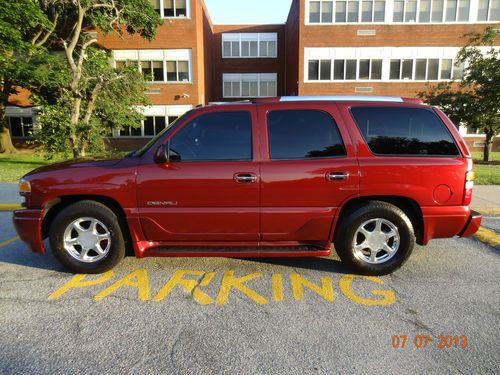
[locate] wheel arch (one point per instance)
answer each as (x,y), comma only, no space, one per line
(409,206)
(57,205)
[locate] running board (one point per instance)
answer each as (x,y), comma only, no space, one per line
(241,252)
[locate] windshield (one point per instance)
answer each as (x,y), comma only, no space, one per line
(141,151)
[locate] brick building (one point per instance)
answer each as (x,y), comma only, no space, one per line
(326,47)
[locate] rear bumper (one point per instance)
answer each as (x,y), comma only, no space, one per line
(472,225)
(28,224)
(449,221)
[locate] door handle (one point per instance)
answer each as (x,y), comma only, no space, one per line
(245,178)
(337,176)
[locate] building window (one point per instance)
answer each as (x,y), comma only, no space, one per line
(249,85)
(153,71)
(171,8)
(249,45)
(154,63)
(488,10)
(177,71)
(350,69)
(424,69)
(21,127)
(346,11)
(435,11)
(150,126)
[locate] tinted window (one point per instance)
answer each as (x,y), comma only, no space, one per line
(299,134)
(215,136)
(404,131)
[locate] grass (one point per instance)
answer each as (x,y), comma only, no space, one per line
(13,167)
(487,174)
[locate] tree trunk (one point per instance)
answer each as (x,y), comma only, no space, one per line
(6,145)
(487,146)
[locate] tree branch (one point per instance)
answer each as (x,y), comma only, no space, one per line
(49,32)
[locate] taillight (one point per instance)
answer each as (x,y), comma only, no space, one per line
(469,185)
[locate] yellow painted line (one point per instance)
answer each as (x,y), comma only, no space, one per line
(485,211)
(5,243)
(488,237)
(9,206)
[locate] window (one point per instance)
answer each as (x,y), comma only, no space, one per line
(488,10)
(303,134)
(174,8)
(346,11)
(251,85)
(404,131)
(125,63)
(153,71)
(249,45)
(321,70)
(20,127)
(221,136)
(149,127)
(431,11)
(156,4)
(425,69)
(177,71)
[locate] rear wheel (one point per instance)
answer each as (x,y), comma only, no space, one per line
(375,239)
(86,237)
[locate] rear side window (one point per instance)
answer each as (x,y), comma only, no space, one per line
(404,131)
(303,134)
(215,136)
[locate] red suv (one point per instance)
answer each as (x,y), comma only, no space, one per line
(280,177)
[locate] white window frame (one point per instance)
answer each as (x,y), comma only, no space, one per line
(158,55)
(165,111)
(21,117)
(259,78)
(188,11)
(386,54)
(488,16)
(249,37)
(389,14)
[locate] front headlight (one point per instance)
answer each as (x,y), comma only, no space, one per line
(24,186)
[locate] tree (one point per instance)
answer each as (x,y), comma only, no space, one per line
(25,28)
(89,80)
(108,99)
(475,100)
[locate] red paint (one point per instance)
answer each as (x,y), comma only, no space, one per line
(290,204)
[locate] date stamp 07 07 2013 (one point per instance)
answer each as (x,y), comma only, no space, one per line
(424,341)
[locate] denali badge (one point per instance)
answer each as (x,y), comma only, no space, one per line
(157,203)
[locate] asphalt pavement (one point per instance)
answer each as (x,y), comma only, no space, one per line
(281,316)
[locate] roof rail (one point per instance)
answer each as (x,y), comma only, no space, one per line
(352,98)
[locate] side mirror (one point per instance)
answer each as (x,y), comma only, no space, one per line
(162,154)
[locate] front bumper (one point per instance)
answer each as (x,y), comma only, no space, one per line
(28,224)
(472,225)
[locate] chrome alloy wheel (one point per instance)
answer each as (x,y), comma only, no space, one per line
(376,241)
(87,239)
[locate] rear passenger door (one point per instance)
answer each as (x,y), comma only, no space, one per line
(308,169)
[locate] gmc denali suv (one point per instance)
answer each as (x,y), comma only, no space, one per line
(275,177)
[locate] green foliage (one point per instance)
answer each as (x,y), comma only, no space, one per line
(475,101)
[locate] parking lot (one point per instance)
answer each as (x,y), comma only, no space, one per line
(217,315)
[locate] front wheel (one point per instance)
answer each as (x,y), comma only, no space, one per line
(375,239)
(86,237)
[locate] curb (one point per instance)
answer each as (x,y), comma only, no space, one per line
(488,211)
(488,237)
(9,206)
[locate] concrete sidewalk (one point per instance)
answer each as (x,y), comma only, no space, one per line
(486,198)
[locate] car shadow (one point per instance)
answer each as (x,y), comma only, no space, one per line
(322,264)
(18,254)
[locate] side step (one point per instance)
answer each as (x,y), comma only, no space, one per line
(237,252)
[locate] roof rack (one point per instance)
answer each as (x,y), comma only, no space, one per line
(353,98)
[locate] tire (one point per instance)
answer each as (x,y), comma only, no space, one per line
(383,234)
(86,237)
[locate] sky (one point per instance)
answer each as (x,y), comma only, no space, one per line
(248,11)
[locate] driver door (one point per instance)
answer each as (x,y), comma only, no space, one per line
(210,189)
